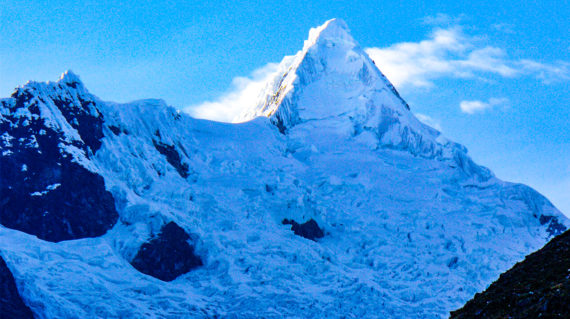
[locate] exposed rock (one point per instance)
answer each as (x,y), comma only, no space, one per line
(168,255)
(115,129)
(11,304)
(538,287)
(45,189)
(172,157)
(555,228)
(85,118)
(309,230)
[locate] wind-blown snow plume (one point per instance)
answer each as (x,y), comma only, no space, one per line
(243,93)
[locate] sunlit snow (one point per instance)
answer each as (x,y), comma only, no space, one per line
(413,228)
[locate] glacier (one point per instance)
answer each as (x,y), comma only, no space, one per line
(413,228)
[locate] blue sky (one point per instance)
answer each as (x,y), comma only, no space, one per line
(493,75)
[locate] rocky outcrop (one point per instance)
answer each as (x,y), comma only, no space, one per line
(538,287)
(309,229)
(11,304)
(48,133)
(168,255)
(173,157)
(554,226)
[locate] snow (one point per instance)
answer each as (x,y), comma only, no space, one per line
(47,190)
(413,228)
(332,84)
(53,186)
(6,139)
(68,77)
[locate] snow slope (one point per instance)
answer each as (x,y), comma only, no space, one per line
(413,228)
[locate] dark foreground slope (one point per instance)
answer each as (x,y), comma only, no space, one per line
(538,287)
(11,304)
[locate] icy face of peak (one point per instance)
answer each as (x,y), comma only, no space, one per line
(334,70)
(332,90)
(334,29)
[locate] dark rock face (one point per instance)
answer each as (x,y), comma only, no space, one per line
(538,287)
(278,121)
(83,115)
(11,304)
(168,255)
(309,230)
(43,190)
(115,129)
(172,157)
(555,228)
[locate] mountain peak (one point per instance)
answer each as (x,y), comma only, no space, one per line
(334,29)
(333,87)
(70,78)
(330,63)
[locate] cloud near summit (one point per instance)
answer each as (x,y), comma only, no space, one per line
(470,107)
(242,94)
(451,53)
(447,52)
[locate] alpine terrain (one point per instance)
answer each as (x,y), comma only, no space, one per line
(538,287)
(329,199)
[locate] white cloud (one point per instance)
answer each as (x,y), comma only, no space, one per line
(442,19)
(547,72)
(471,107)
(430,121)
(416,64)
(451,53)
(488,59)
(242,94)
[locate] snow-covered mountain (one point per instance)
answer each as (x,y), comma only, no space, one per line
(330,200)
